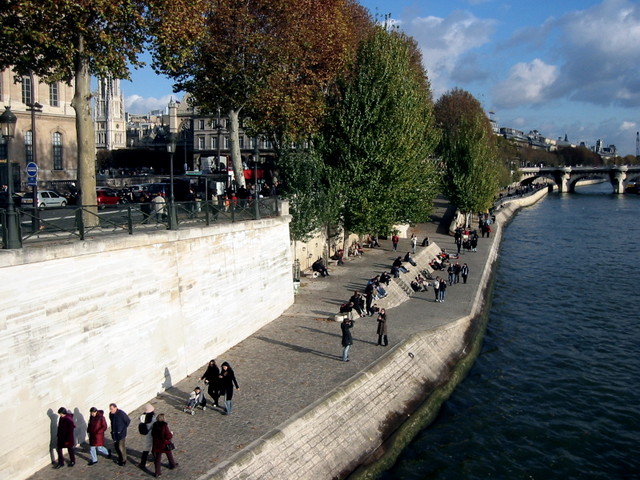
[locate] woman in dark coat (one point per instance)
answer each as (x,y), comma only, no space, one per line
(227,382)
(96,428)
(161,439)
(212,377)
(66,438)
(382,328)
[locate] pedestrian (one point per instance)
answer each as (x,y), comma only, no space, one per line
(347,338)
(456,272)
(451,272)
(464,271)
(382,328)
(414,242)
(162,443)
(368,295)
(66,438)
(227,382)
(159,208)
(96,428)
(394,241)
(145,427)
(212,377)
(442,291)
(119,423)
(436,288)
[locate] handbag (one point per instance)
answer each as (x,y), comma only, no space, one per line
(171,446)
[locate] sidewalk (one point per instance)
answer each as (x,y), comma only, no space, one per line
(290,363)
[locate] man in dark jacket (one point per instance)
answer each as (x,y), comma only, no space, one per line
(347,339)
(119,423)
(66,438)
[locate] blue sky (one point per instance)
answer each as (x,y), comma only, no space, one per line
(557,66)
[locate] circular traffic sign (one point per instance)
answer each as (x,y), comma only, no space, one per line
(32,169)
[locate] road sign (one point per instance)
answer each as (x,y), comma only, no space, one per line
(32,181)
(32,169)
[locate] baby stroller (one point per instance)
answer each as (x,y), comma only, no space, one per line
(196,399)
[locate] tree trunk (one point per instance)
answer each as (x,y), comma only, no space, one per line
(86,139)
(234,144)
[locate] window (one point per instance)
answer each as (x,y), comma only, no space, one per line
(53,94)
(241,141)
(28,146)
(56,141)
(201,143)
(225,143)
(26,90)
(201,124)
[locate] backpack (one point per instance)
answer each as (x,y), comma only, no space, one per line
(143,428)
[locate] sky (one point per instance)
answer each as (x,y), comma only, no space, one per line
(562,67)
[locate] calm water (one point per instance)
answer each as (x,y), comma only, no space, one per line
(555,393)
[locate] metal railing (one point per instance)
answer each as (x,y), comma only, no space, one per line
(71,221)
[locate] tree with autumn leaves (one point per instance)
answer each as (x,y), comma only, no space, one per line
(70,40)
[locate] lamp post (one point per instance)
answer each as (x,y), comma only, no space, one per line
(173,217)
(12,238)
(256,160)
(34,108)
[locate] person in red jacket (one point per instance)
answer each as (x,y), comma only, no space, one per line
(162,443)
(96,428)
(66,438)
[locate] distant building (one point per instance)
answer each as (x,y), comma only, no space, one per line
(108,115)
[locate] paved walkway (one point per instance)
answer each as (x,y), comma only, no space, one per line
(290,363)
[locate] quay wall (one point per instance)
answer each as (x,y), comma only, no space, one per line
(335,435)
(122,318)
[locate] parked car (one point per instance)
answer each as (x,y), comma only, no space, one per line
(107,196)
(46,199)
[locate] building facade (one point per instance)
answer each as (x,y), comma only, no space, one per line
(108,115)
(45,130)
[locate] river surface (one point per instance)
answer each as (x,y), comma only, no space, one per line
(555,391)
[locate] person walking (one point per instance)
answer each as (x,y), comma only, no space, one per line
(96,428)
(347,338)
(227,382)
(394,241)
(382,328)
(436,288)
(211,377)
(147,420)
(442,291)
(162,443)
(414,243)
(159,208)
(464,271)
(66,438)
(119,423)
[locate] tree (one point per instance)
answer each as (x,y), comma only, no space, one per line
(272,58)
(379,135)
(472,172)
(70,40)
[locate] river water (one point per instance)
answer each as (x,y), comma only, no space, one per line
(555,391)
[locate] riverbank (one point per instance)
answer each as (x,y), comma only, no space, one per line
(301,412)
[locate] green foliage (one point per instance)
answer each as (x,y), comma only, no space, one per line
(311,202)
(379,135)
(473,170)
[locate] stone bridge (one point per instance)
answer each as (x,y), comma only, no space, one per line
(567,177)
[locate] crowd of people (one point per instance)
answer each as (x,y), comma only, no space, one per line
(157,436)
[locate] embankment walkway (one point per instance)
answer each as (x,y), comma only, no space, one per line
(290,363)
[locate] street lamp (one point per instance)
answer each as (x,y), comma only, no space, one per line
(12,237)
(256,160)
(173,217)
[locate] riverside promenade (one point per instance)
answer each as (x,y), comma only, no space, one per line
(287,365)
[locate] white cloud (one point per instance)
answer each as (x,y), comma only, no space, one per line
(142,105)
(444,40)
(527,83)
(628,125)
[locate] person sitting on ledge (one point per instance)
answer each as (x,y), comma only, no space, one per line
(318,266)
(385,278)
(407,258)
(398,264)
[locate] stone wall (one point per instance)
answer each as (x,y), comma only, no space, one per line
(123,318)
